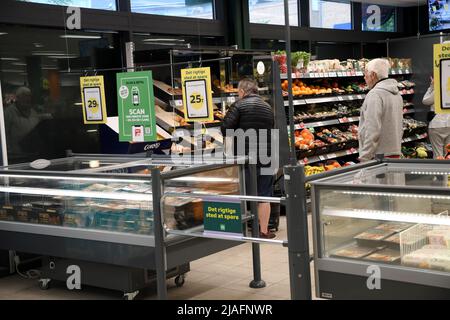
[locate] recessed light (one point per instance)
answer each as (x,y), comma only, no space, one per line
(67,56)
(163,39)
(76,36)
(38,45)
(12,71)
(19,64)
(47,53)
(3,33)
(9,59)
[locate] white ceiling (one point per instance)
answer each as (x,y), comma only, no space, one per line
(396,3)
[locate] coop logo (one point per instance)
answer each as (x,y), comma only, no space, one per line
(151,146)
(373,21)
(73,21)
(374,279)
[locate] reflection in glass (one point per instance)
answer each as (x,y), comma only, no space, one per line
(272,12)
(330,14)
(201,9)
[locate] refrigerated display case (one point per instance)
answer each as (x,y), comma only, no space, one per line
(383,232)
(97,212)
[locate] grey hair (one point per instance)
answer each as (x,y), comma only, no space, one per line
(23,91)
(249,86)
(380,67)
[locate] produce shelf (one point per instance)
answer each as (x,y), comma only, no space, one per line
(326,123)
(340,74)
(329,156)
(350,97)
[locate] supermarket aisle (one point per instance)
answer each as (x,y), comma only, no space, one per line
(224,275)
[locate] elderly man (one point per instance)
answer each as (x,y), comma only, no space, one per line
(252,113)
(381,124)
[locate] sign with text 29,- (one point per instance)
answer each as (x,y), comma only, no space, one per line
(442,78)
(136,104)
(222,217)
(93,99)
(197,94)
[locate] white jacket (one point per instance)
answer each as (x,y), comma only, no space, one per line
(381,124)
(441,120)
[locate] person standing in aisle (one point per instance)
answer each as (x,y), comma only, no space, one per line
(439,127)
(252,114)
(381,123)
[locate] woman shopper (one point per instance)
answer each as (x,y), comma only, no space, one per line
(439,127)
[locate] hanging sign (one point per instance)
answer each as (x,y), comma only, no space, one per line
(442,78)
(93,99)
(136,104)
(197,94)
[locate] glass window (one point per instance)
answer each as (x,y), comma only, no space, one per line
(40,72)
(201,9)
(92,4)
(330,14)
(272,11)
(378,18)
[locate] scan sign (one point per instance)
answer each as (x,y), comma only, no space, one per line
(136,107)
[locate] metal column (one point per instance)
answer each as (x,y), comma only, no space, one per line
(297,232)
(257,282)
(160,249)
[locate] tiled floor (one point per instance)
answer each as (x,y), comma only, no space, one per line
(225,275)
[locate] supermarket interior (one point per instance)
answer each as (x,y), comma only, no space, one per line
(224,150)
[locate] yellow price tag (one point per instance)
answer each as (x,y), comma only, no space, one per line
(93,105)
(196,100)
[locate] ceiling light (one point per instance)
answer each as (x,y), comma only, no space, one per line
(12,71)
(67,56)
(163,39)
(49,68)
(47,53)
(76,36)
(19,64)
(38,45)
(9,59)
(3,33)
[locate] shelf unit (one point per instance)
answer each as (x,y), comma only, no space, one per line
(302,101)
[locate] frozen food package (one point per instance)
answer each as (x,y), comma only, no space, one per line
(395,238)
(354,251)
(374,234)
(394,226)
(439,236)
(385,255)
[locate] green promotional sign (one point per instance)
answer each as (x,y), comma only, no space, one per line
(136,107)
(224,217)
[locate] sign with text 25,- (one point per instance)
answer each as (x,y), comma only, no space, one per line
(197,94)
(136,104)
(93,99)
(222,217)
(442,78)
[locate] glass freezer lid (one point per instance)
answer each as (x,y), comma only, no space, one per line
(401,174)
(68,164)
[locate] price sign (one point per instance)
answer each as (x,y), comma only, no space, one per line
(407,71)
(339,74)
(400,71)
(332,156)
(178,103)
(326,74)
(343,120)
(359,97)
(322,158)
(359,73)
(197,94)
(393,72)
(93,100)
(350,97)
(321,75)
(340,98)
(349,74)
(333,74)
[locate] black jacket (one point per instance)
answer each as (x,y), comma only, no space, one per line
(251,112)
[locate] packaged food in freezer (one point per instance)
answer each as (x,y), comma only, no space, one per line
(354,251)
(374,234)
(385,255)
